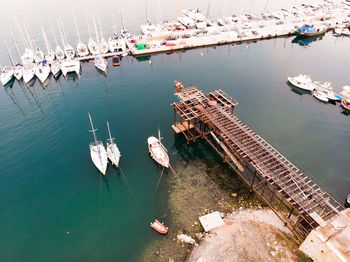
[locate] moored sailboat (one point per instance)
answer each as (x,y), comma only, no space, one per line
(158,151)
(113,152)
(98,152)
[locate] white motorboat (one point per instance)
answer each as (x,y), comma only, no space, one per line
(38,56)
(100,63)
(98,152)
(149,28)
(59,53)
(158,151)
(18,71)
(326,90)
(56,69)
(82,50)
(320,95)
(113,152)
(93,47)
(69,52)
(345,93)
(103,46)
(50,56)
(116,44)
(302,81)
(28,71)
(6,74)
(42,71)
(70,65)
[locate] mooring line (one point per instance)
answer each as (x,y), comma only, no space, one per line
(161,174)
(127,184)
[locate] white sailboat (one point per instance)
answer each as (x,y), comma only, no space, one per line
(6,74)
(18,68)
(68,49)
(158,152)
(60,54)
(101,63)
(28,65)
(56,68)
(113,152)
(50,54)
(98,152)
(70,65)
(82,49)
(92,45)
(42,71)
(38,55)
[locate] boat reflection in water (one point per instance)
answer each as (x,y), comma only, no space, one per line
(306,41)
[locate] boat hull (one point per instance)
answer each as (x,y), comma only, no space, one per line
(159,227)
(113,154)
(310,34)
(308,87)
(158,152)
(99,157)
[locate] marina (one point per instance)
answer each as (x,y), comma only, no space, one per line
(280,149)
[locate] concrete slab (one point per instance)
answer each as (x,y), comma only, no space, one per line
(211,221)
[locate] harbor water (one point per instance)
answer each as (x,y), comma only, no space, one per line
(55,206)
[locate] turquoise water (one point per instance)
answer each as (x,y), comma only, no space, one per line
(49,185)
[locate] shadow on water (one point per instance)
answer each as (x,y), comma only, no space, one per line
(306,41)
(298,90)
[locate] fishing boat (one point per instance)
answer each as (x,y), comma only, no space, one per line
(6,74)
(310,30)
(115,61)
(302,81)
(70,65)
(42,71)
(100,63)
(158,151)
(113,152)
(159,227)
(56,69)
(320,95)
(98,152)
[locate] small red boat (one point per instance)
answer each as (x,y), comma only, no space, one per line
(159,227)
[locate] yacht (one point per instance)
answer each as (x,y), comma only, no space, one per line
(38,56)
(100,63)
(326,89)
(158,151)
(149,28)
(93,47)
(302,81)
(28,71)
(319,95)
(113,152)
(82,50)
(6,74)
(70,65)
(59,53)
(116,44)
(18,71)
(103,46)
(56,69)
(42,71)
(69,52)
(98,152)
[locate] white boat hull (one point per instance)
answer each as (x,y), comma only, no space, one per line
(320,96)
(69,66)
(158,152)
(99,157)
(42,72)
(113,153)
(309,86)
(18,72)
(6,75)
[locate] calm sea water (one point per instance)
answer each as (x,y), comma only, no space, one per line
(48,184)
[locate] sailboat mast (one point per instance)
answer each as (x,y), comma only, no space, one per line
(8,52)
(93,18)
(100,24)
(109,132)
(59,29)
(76,27)
(64,32)
(14,43)
(53,33)
(45,38)
(28,37)
(93,129)
(21,33)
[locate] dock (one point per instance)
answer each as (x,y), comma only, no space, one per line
(298,200)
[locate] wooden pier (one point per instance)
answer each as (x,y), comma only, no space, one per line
(300,202)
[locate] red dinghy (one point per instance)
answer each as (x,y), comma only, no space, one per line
(159,227)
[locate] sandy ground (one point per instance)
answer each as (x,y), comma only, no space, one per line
(248,235)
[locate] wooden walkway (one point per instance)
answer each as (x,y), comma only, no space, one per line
(297,199)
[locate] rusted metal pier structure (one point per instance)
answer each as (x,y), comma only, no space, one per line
(300,202)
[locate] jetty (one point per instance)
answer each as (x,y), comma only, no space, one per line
(297,199)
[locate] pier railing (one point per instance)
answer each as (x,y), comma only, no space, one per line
(296,198)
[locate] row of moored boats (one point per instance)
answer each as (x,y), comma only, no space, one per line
(323,91)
